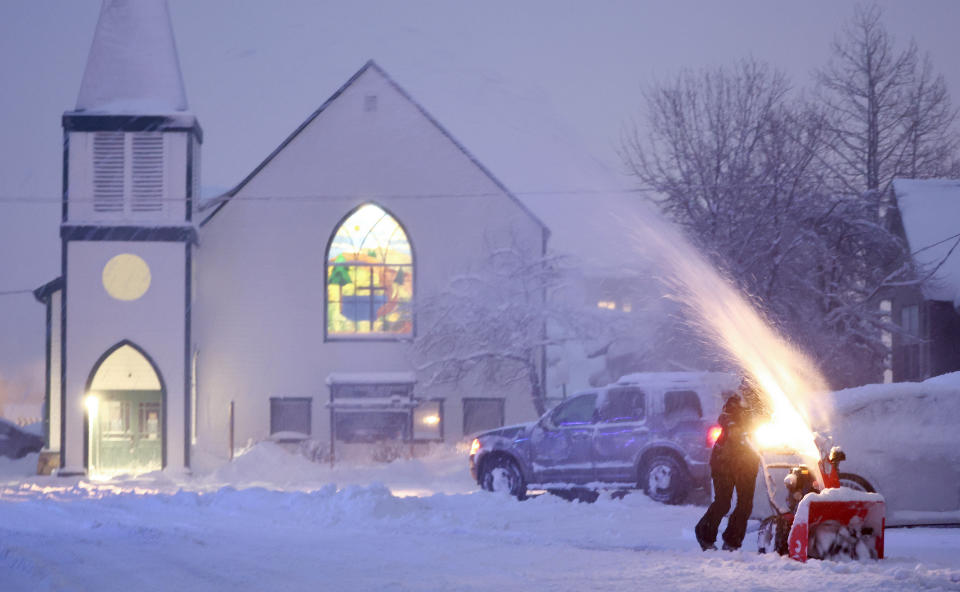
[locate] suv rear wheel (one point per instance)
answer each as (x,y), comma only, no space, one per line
(665,479)
(856,482)
(503,474)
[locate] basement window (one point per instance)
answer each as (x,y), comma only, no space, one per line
(481,414)
(290,414)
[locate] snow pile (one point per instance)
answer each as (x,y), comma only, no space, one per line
(266,464)
(274,520)
(951,379)
(903,439)
(14,469)
(918,415)
(78,535)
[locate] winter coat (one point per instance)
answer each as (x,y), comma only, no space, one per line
(733,448)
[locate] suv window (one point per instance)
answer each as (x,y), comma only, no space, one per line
(681,406)
(623,404)
(576,411)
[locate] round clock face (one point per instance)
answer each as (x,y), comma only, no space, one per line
(126,277)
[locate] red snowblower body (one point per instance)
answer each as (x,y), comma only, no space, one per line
(829,522)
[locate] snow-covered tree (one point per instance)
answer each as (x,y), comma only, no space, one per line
(499,321)
(490,320)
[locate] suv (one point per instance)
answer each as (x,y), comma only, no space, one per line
(650,430)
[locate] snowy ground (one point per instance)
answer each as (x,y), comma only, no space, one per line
(273,521)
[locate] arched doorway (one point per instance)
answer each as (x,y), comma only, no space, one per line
(125,411)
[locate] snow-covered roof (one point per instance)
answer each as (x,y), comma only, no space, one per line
(372,378)
(930,209)
(722,380)
(133,66)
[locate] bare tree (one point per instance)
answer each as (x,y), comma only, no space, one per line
(931,144)
(738,164)
(888,114)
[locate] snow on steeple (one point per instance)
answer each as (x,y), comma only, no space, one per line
(133,65)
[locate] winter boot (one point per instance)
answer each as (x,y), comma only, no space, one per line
(701,539)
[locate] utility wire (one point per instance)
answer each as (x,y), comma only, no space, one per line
(330,196)
(327,196)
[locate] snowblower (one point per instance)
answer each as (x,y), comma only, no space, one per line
(828,522)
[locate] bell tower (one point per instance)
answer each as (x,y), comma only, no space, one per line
(130,177)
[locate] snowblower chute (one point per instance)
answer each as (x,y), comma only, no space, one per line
(830,523)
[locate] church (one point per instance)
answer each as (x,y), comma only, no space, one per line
(181,329)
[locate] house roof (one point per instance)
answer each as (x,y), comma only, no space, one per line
(43,293)
(133,66)
(222,200)
(930,210)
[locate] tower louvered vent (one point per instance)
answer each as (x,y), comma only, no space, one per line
(128,173)
(108,171)
(146,178)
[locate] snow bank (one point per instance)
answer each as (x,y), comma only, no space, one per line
(903,439)
(14,469)
(85,536)
(921,415)
(272,519)
(443,470)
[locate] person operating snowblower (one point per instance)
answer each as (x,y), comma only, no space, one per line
(734,464)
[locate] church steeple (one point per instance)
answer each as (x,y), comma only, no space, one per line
(132,148)
(133,65)
(131,164)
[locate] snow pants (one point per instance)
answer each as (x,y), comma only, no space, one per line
(741,476)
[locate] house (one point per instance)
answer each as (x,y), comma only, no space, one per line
(285,308)
(927,308)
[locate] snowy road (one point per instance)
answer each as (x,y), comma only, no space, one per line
(77,535)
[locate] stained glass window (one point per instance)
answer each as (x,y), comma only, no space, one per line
(369,277)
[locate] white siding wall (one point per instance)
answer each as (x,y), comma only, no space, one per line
(96,322)
(260,296)
(54,369)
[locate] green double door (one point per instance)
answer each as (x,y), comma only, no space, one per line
(127,434)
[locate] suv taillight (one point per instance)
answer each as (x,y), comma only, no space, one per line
(713,434)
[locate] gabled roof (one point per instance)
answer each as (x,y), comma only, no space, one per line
(370,65)
(133,65)
(930,210)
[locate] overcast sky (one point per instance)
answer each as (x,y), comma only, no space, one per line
(528,87)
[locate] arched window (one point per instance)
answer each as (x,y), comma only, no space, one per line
(369,277)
